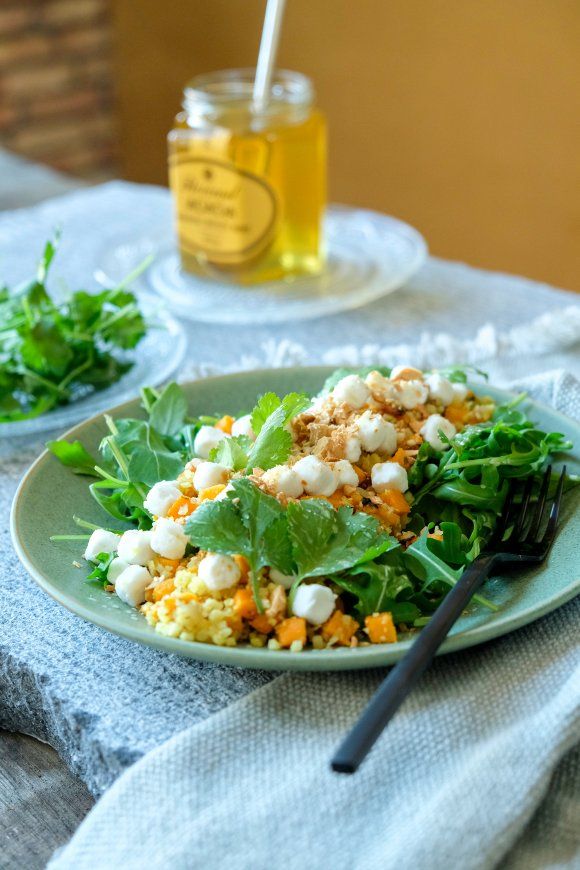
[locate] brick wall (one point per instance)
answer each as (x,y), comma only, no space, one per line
(56,84)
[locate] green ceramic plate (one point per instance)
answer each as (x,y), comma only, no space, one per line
(49,494)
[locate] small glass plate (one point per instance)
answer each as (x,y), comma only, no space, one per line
(368,255)
(155,359)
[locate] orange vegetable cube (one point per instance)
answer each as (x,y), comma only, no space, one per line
(225,424)
(210,492)
(291,630)
(396,500)
(183,507)
(456,413)
(262,623)
(244,604)
(399,457)
(381,628)
(360,473)
(162,589)
(340,626)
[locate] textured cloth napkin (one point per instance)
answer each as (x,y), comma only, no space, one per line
(480,766)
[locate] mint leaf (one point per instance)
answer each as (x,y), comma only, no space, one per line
(232,452)
(274,443)
(73,455)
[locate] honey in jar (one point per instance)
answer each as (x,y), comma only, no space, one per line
(249,184)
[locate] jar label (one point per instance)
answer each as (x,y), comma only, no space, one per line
(224,213)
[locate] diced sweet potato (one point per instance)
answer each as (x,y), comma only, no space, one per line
(225,424)
(164,588)
(183,507)
(456,413)
(360,473)
(244,604)
(341,626)
(291,630)
(210,492)
(396,500)
(399,457)
(381,628)
(262,623)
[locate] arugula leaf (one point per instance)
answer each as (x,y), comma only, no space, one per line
(101,567)
(150,466)
(377,588)
(273,444)
(73,455)
(168,413)
(232,452)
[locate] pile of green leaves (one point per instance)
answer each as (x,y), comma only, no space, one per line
(461,491)
(53,352)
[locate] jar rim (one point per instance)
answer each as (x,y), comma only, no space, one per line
(236,85)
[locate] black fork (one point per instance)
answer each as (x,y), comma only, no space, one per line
(517,541)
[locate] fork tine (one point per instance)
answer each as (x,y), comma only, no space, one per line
(542,495)
(550,533)
(522,519)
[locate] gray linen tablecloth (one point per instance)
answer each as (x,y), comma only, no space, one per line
(104,702)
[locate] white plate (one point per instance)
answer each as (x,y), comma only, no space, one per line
(369,255)
(155,359)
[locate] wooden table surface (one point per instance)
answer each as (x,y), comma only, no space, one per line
(41,802)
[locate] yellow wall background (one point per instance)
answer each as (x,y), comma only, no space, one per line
(459,116)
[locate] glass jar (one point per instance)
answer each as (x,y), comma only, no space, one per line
(249,184)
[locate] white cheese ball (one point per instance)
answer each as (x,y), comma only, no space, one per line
(372,430)
(440,388)
(285,580)
(316,477)
(351,390)
(460,391)
(101,541)
(209,474)
(243,426)
(206,439)
(284,480)
(135,547)
(314,603)
(116,568)
(218,572)
(410,394)
(132,583)
(389,475)
(431,428)
(168,538)
(390,442)
(347,476)
(353,448)
(161,496)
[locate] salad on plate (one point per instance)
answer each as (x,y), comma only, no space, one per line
(309,522)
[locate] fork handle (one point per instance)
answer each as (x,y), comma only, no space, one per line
(402,679)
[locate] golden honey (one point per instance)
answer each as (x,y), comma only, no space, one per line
(249,184)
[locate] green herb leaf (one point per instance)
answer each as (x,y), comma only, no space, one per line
(232,452)
(168,413)
(74,455)
(274,443)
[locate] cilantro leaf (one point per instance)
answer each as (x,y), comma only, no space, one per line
(325,541)
(273,444)
(267,404)
(250,523)
(232,452)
